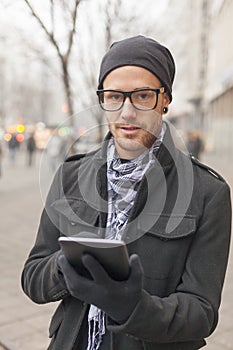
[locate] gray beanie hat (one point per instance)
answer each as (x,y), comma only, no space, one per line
(143,52)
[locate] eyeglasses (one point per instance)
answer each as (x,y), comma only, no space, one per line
(142,99)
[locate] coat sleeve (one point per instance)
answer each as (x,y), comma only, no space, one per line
(191,312)
(40,279)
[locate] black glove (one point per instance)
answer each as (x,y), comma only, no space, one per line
(116,298)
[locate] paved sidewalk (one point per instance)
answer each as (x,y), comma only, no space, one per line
(23,324)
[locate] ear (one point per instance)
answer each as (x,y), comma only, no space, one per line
(166,100)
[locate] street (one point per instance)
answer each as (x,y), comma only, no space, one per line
(23,324)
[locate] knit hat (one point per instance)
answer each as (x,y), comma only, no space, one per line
(143,52)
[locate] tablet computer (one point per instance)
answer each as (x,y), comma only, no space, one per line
(112,254)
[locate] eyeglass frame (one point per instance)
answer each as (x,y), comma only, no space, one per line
(126,94)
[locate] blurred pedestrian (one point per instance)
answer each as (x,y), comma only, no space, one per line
(13,145)
(31,148)
(54,151)
(195,144)
(173,213)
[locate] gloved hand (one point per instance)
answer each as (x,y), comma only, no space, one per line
(116,298)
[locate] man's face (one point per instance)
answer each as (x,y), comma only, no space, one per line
(133,130)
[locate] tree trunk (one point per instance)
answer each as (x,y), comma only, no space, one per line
(68,93)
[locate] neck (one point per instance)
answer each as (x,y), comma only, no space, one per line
(130,150)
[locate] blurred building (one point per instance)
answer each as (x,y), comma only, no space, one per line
(219,90)
(186,34)
(199,35)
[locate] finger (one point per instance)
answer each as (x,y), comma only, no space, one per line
(76,283)
(136,265)
(65,267)
(96,270)
(70,274)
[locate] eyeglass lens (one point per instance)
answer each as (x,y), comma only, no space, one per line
(141,99)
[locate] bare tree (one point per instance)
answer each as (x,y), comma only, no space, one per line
(69,11)
(114,23)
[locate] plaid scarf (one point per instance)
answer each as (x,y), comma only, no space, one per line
(123,180)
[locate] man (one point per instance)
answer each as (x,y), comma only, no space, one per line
(173,212)
(31,148)
(195,143)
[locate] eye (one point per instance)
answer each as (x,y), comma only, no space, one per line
(143,95)
(113,96)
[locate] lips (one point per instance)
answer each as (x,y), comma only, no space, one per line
(129,127)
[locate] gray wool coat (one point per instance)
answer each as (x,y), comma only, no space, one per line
(179,226)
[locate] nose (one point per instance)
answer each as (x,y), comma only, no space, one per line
(128,111)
